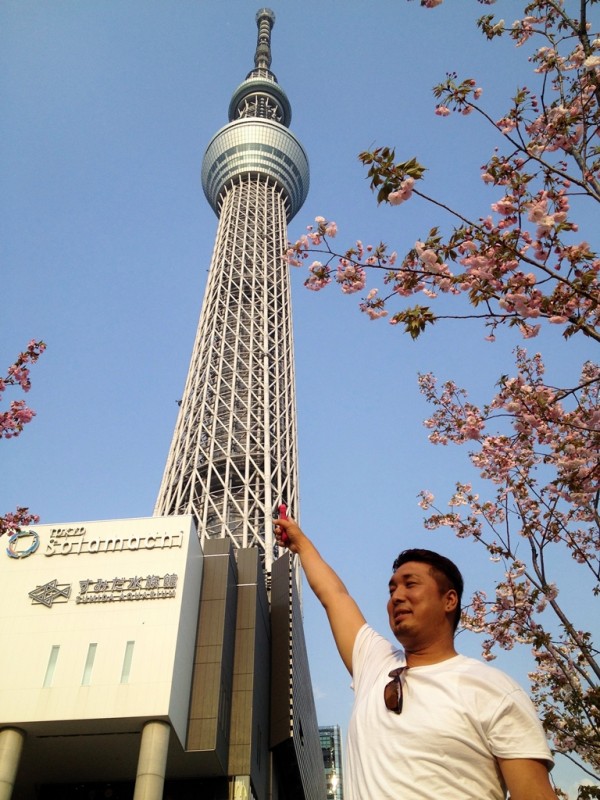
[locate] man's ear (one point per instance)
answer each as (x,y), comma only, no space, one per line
(451,600)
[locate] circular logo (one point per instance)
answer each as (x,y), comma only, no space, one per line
(13,548)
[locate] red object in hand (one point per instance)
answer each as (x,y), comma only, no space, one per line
(283,515)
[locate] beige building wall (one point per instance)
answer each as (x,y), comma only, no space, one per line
(98,622)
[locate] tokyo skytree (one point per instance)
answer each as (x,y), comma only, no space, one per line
(233,457)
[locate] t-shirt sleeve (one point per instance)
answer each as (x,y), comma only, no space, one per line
(516,732)
(370,651)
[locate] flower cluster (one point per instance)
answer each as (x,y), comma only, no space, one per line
(14,521)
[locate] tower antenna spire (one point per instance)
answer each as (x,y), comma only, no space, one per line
(265,19)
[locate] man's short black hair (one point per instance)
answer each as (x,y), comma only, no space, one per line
(445,572)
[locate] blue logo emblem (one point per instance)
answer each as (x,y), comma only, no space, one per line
(13,544)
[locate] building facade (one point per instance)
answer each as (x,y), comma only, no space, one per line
(98,632)
(165,656)
(331,747)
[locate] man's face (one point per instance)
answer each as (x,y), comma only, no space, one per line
(417,608)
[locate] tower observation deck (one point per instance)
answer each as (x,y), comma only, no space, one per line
(233,456)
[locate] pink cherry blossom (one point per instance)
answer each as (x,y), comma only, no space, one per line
(403,193)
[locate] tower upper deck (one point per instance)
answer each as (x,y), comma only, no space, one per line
(257,140)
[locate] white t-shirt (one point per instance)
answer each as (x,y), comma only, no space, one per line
(457,715)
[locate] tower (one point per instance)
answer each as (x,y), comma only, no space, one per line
(233,456)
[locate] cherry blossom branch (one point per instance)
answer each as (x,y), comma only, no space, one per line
(12,522)
(13,421)
(536,556)
(520,146)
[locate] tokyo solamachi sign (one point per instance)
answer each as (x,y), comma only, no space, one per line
(76,541)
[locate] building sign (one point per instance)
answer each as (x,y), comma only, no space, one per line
(99,590)
(76,541)
(117,590)
(51,592)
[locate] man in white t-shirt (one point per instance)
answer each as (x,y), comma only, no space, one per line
(427,723)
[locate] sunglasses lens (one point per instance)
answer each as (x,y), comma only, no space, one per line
(393,695)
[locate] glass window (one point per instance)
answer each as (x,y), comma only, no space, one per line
(49,676)
(89,664)
(127,662)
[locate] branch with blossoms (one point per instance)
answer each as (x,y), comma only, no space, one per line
(542,456)
(521,264)
(500,291)
(15,521)
(13,421)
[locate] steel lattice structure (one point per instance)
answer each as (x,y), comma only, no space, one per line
(233,456)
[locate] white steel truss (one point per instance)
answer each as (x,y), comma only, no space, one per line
(233,457)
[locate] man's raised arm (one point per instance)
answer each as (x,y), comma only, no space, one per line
(345,617)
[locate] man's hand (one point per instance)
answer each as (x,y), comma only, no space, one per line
(288,534)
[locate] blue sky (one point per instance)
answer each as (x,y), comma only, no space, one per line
(106,237)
